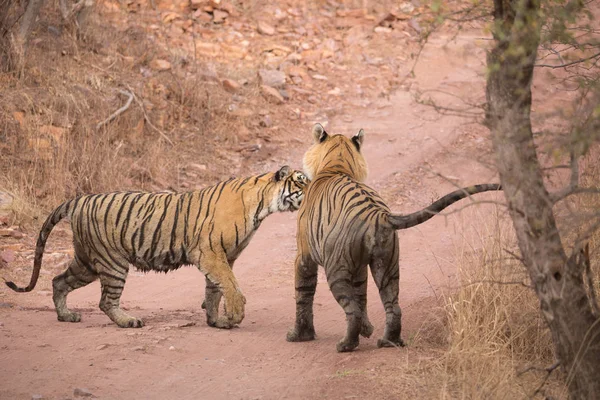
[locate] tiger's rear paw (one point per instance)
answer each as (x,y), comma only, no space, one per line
(70,317)
(222,323)
(366,329)
(345,345)
(130,322)
(390,343)
(300,335)
(234,308)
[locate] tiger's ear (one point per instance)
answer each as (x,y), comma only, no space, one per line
(282,173)
(358,139)
(319,133)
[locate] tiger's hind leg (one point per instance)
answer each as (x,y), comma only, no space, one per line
(306,284)
(340,282)
(359,284)
(386,273)
(113,281)
(77,275)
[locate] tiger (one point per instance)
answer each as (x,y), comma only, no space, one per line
(162,231)
(344,225)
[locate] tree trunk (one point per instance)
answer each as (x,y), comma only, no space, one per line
(557,279)
(14,37)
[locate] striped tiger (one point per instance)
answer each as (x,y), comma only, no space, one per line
(161,232)
(344,225)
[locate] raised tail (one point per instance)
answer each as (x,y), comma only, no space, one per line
(53,219)
(398,221)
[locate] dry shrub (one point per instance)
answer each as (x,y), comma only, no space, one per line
(494,323)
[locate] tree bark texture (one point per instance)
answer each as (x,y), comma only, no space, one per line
(557,278)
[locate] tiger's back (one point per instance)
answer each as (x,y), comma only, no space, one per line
(345,226)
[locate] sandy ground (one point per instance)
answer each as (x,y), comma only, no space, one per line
(176,355)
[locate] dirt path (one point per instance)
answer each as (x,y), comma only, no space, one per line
(166,359)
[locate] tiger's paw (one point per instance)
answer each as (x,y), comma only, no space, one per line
(222,323)
(130,322)
(234,308)
(390,343)
(300,335)
(70,317)
(345,345)
(366,329)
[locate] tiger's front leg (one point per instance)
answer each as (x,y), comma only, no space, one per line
(220,281)
(306,273)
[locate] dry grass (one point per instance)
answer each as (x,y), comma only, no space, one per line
(494,322)
(492,340)
(51,149)
(499,346)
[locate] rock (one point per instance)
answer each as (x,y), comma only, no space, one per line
(234,51)
(266,121)
(219,16)
(382,29)
(37,397)
(271,77)
(415,25)
(8,232)
(101,347)
(272,95)
(312,99)
(407,7)
(320,77)
(230,85)
(54,131)
(284,93)
(295,70)
(138,348)
(335,91)
(171,347)
(170,16)
(207,49)
(160,65)
(7,256)
(199,167)
(196,4)
(80,392)
(20,118)
(265,29)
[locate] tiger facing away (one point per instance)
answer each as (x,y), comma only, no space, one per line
(161,232)
(344,225)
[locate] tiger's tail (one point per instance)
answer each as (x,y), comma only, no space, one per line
(398,221)
(61,212)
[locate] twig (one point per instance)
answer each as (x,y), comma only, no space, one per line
(119,111)
(147,119)
(590,278)
(568,64)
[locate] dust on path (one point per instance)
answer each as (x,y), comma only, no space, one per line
(167,359)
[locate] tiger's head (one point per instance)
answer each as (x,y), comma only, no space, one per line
(290,187)
(335,153)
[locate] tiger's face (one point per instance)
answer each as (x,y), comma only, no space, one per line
(291,187)
(337,153)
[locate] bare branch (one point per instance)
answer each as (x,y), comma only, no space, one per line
(119,111)
(563,194)
(590,279)
(160,132)
(568,64)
